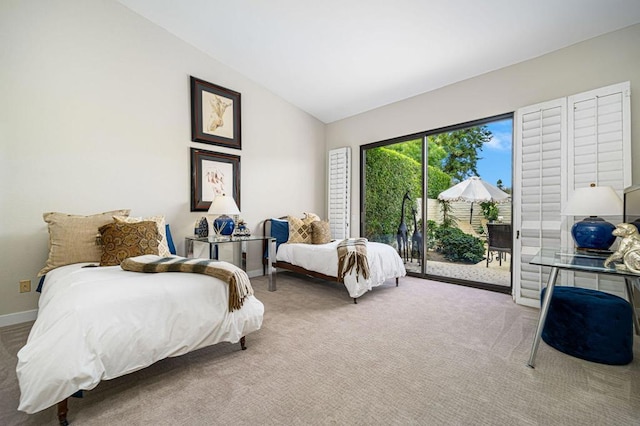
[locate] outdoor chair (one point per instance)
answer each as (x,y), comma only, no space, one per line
(499,241)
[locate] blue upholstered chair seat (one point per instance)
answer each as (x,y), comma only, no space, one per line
(590,324)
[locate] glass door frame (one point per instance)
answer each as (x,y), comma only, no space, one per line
(425,181)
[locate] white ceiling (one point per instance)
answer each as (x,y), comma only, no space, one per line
(338,58)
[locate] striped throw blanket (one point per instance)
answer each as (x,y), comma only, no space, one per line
(238,280)
(352,253)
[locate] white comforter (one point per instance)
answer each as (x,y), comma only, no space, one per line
(384,263)
(100,323)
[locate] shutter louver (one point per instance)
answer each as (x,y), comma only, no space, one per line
(339,197)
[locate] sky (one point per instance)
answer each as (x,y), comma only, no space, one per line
(496,154)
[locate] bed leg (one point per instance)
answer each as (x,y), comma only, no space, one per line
(397,280)
(242,343)
(63,409)
(355,301)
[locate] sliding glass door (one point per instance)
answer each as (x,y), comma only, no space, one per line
(443,200)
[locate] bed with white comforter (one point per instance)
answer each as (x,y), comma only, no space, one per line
(98,323)
(384,263)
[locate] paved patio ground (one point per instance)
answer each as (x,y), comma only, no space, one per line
(494,274)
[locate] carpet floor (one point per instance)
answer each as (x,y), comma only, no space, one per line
(423,353)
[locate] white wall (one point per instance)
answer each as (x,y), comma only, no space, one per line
(95,116)
(605,60)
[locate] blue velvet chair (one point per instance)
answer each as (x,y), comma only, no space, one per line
(590,325)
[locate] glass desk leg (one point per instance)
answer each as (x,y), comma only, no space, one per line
(270,269)
(543,315)
(629,284)
(188,247)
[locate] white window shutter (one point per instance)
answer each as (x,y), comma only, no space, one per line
(600,152)
(562,145)
(539,154)
(339,194)
(599,138)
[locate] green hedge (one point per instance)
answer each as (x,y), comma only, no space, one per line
(388,175)
(438,182)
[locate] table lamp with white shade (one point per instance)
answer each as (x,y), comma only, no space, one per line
(223,206)
(593,232)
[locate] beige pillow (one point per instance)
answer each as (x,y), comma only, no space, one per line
(320,232)
(123,240)
(72,238)
(163,247)
(299,231)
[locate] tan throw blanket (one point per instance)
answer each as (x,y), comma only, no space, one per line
(238,280)
(352,253)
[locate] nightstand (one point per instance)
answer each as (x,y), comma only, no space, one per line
(239,247)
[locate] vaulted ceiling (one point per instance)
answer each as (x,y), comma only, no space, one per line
(338,58)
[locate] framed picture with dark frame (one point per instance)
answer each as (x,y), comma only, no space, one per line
(213,173)
(215,114)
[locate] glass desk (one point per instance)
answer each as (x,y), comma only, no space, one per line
(239,251)
(579,262)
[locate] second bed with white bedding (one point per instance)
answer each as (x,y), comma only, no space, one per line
(384,263)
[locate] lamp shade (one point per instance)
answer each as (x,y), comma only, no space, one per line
(593,233)
(593,201)
(223,205)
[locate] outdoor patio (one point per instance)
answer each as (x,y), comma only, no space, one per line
(464,201)
(470,224)
(494,274)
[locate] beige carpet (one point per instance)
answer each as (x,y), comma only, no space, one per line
(425,353)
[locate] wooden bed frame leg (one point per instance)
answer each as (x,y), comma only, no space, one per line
(63,409)
(242,343)
(397,280)
(355,301)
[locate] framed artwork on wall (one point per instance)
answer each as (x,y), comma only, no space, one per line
(215,114)
(213,173)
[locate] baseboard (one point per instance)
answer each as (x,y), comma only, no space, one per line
(18,317)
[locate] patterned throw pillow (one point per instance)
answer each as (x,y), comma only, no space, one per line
(299,231)
(163,247)
(72,238)
(320,232)
(123,240)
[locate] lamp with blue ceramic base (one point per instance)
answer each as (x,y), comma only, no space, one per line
(593,233)
(223,206)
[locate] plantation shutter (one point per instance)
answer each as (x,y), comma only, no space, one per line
(600,152)
(562,145)
(540,152)
(339,196)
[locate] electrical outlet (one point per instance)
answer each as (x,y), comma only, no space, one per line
(25,286)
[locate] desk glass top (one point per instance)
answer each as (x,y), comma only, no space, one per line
(228,239)
(577,261)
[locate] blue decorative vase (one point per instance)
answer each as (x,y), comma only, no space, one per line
(224,224)
(593,233)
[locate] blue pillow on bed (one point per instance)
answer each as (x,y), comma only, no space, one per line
(280,231)
(172,247)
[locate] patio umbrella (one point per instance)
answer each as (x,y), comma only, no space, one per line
(474,190)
